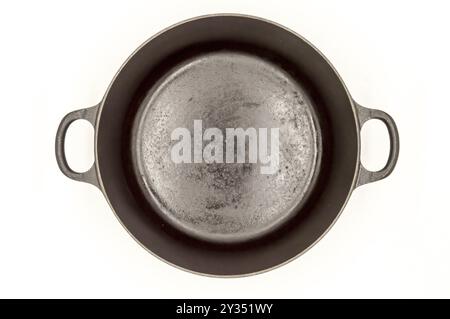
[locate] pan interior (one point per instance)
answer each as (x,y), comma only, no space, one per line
(226,202)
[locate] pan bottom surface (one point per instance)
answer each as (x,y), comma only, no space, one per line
(226,146)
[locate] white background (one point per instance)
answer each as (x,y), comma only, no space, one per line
(59,238)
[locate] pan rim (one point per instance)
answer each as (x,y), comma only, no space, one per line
(246,16)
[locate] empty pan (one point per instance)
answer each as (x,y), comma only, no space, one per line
(227,145)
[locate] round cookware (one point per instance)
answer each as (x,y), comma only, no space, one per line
(227,145)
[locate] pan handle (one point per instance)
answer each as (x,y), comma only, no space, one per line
(365,114)
(90,176)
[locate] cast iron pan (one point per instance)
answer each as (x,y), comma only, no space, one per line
(238,217)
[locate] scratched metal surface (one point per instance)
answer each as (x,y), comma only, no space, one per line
(219,201)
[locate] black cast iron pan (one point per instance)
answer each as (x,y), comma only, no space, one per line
(221,214)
